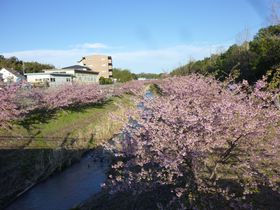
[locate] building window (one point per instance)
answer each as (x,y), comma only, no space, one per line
(52,79)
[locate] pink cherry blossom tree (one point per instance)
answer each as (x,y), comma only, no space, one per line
(17,100)
(195,137)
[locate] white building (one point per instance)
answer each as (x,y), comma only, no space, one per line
(141,78)
(48,79)
(10,75)
(80,74)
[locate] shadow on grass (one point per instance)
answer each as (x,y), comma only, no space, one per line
(36,117)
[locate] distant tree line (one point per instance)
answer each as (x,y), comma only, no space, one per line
(250,60)
(20,66)
(124,75)
(149,75)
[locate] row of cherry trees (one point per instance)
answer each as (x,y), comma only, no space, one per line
(204,142)
(17,100)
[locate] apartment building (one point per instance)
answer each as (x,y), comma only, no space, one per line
(99,63)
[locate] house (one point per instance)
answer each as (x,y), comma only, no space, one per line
(81,74)
(99,63)
(10,75)
(48,79)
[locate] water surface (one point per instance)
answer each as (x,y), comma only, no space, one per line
(66,189)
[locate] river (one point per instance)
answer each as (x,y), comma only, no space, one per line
(64,190)
(72,186)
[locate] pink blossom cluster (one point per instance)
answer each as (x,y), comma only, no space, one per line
(133,87)
(198,135)
(74,94)
(9,106)
(17,100)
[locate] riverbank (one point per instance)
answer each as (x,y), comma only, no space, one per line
(65,189)
(43,143)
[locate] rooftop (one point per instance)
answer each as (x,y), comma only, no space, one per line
(14,72)
(65,70)
(95,56)
(77,67)
(46,73)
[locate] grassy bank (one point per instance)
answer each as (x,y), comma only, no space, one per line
(44,142)
(87,125)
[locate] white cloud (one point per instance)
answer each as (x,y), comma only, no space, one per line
(91,46)
(59,58)
(164,59)
(155,60)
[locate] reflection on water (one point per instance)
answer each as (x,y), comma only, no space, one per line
(66,189)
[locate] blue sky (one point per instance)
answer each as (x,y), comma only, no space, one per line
(141,35)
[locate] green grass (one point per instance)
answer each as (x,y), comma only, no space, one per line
(86,125)
(155,89)
(25,161)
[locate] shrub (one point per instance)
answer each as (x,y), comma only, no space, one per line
(105,81)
